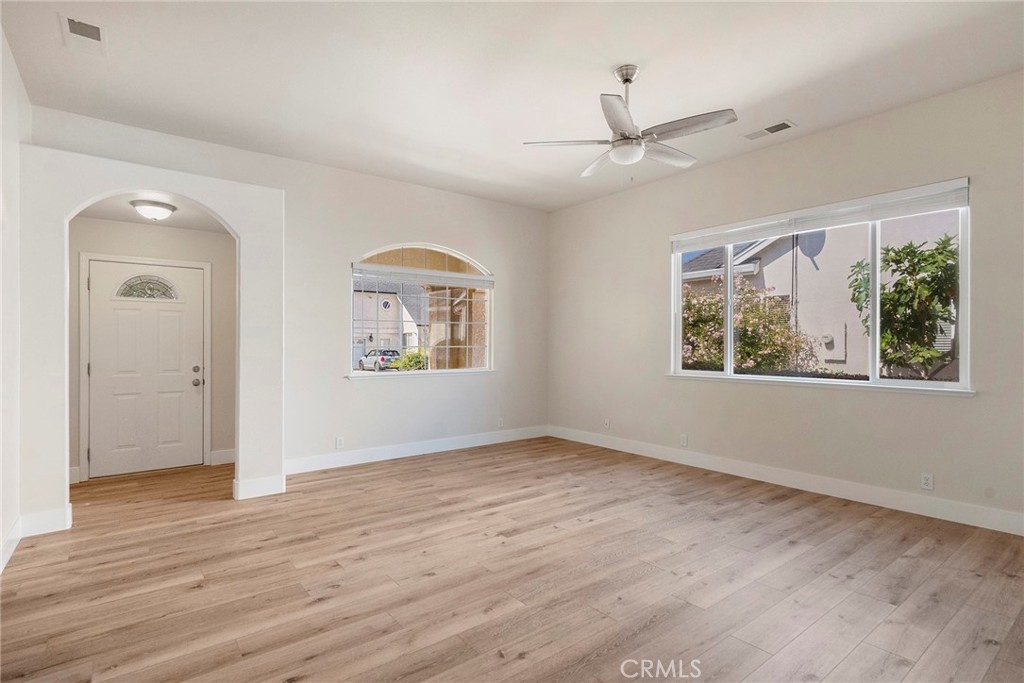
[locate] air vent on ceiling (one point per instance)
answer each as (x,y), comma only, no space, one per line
(80,28)
(82,36)
(769,130)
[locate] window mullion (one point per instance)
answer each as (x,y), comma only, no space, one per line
(874,336)
(963,304)
(728,326)
(677,313)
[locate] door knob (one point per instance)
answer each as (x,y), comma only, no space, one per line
(196,382)
(195,368)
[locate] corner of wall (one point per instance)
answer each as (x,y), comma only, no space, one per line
(10,543)
(241,489)
(223,456)
(15,128)
(549,334)
(46,521)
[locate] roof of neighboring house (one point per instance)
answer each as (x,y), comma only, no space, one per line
(714,259)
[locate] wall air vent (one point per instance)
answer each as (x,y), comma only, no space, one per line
(81,36)
(769,130)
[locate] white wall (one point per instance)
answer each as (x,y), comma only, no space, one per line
(333,218)
(56,187)
(16,128)
(610,268)
(156,241)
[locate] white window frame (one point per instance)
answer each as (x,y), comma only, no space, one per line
(434,277)
(944,196)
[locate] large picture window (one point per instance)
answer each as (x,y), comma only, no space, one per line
(871,291)
(419,308)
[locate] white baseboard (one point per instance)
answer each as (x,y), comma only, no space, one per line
(74,475)
(328,461)
(222,457)
(47,521)
(260,486)
(11,539)
(1008,521)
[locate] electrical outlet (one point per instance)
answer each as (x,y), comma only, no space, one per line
(684,440)
(339,443)
(607,423)
(927,481)
(501,422)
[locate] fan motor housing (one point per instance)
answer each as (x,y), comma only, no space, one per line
(627,73)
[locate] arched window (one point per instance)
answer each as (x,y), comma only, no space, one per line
(420,308)
(147,287)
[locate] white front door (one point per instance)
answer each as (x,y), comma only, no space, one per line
(146,367)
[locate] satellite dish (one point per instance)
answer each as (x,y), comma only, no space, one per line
(811,244)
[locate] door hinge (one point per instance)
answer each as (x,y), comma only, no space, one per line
(88,284)
(88,455)
(88,369)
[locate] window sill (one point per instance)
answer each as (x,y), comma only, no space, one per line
(824,383)
(386,374)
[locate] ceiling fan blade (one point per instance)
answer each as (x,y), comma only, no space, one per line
(598,163)
(616,113)
(553,143)
(668,155)
(689,125)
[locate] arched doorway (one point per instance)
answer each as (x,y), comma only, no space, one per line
(152,335)
(56,187)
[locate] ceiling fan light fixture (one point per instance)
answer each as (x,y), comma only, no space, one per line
(154,211)
(629,143)
(626,152)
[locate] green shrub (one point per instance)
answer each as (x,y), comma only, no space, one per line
(412,360)
(765,342)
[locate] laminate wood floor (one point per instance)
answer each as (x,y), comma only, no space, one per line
(540,560)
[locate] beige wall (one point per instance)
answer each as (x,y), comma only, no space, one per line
(973,445)
(153,241)
(332,218)
(16,128)
(56,186)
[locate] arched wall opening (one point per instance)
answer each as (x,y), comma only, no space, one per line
(176,404)
(57,186)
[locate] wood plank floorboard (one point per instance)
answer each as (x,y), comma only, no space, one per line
(536,561)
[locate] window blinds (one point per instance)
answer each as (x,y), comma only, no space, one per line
(421,276)
(951,194)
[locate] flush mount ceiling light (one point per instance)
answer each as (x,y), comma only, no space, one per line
(154,211)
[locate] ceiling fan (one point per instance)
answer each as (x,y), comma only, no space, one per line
(629,144)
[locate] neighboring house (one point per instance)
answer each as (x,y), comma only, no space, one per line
(810,272)
(448,323)
(385,319)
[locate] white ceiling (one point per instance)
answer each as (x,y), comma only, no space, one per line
(444,94)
